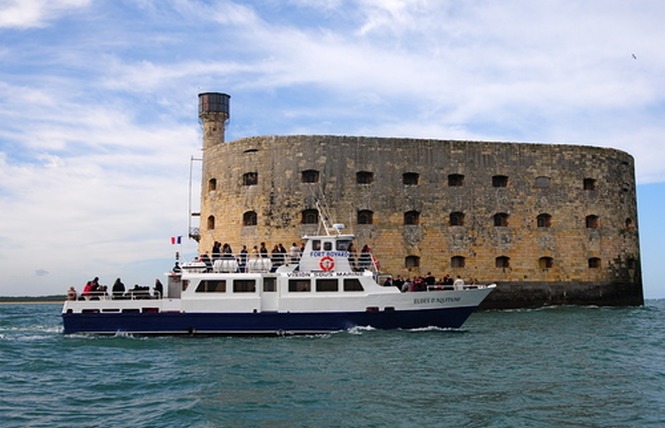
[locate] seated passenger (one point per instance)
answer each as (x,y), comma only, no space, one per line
(459,283)
(71,294)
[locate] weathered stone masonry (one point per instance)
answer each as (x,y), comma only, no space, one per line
(550,224)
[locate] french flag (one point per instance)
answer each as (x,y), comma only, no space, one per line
(176,240)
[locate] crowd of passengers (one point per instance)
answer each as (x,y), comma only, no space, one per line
(278,256)
(427,282)
(93,290)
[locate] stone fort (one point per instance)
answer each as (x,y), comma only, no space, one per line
(549,223)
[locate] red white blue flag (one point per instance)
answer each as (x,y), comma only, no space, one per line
(176,239)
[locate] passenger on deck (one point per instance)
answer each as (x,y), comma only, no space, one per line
(388,282)
(177,268)
(216,250)
(206,259)
(158,291)
(118,289)
(263,251)
(459,283)
(242,260)
(71,293)
(227,252)
(365,257)
(88,289)
(398,282)
(294,254)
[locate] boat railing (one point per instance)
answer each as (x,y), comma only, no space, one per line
(241,263)
(140,294)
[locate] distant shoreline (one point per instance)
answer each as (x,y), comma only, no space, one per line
(31,302)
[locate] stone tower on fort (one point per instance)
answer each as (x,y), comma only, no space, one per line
(550,224)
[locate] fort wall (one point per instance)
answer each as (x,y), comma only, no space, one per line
(550,224)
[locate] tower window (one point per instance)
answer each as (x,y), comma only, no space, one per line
(310,217)
(410,178)
(364,177)
(250,178)
(594,263)
(455,180)
(542,182)
(592,222)
(411,218)
(212,185)
(499,181)
(249,218)
(310,176)
(365,217)
(544,220)
(501,220)
(457,219)
(211,222)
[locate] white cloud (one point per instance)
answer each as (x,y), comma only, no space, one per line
(35,13)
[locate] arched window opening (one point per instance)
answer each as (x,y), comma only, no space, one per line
(310,176)
(545,262)
(544,220)
(499,181)
(457,218)
(249,218)
(502,262)
(411,262)
(411,218)
(457,261)
(365,217)
(500,220)
(310,217)
(589,184)
(410,178)
(364,177)
(455,180)
(212,185)
(250,178)
(542,182)
(592,222)
(594,263)
(629,224)
(211,222)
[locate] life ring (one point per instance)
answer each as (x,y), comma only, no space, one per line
(327,263)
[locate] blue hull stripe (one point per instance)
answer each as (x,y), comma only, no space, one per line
(260,323)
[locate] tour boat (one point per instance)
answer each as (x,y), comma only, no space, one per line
(327,287)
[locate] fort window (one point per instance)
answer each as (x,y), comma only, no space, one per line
(410,178)
(250,178)
(211,222)
(457,218)
(589,184)
(457,262)
(327,285)
(499,181)
(411,218)
(545,262)
(352,284)
(364,177)
(594,263)
(542,182)
(365,217)
(592,222)
(629,223)
(502,262)
(411,262)
(501,220)
(249,218)
(455,180)
(310,176)
(212,185)
(544,220)
(310,217)
(244,286)
(631,263)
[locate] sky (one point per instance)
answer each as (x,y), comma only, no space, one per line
(99,98)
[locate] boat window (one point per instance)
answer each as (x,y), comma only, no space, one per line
(316,245)
(269,285)
(327,246)
(326,285)
(212,286)
(244,286)
(343,245)
(352,284)
(185,284)
(299,285)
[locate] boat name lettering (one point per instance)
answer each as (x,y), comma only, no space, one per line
(329,253)
(319,274)
(426,300)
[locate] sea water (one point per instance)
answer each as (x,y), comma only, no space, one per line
(561,366)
